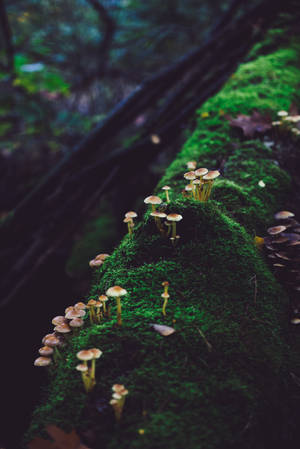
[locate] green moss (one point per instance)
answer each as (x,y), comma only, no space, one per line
(181,393)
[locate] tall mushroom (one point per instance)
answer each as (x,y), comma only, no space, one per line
(153,200)
(208,182)
(174,218)
(166,189)
(117,292)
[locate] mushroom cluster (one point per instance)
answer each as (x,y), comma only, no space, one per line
(128,219)
(98,260)
(287,123)
(117,292)
(63,325)
(88,372)
(200,183)
(167,227)
(118,400)
(283,251)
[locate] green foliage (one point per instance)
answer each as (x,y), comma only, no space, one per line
(180,393)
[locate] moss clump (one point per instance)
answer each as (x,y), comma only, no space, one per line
(184,392)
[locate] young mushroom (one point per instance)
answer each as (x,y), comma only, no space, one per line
(117,292)
(166,189)
(174,218)
(118,400)
(190,176)
(42,361)
(165,295)
(191,165)
(130,225)
(103,299)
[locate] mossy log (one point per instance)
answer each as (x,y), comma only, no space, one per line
(223,379)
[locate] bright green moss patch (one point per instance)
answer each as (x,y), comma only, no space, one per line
(214,381)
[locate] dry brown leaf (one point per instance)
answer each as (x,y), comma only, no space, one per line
(61,440)
(250,124)
(163,330)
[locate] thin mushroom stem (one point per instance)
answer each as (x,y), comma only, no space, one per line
(174,229)
(119,319)
(164,307)
(167,196)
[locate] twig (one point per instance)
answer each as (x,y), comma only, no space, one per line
(209,346)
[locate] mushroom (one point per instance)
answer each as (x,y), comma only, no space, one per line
(165,295)
(190,176)
(129,223)
(58,320)
(166,189)
(191,165)
(46,351)
(174,218)
(91,306)
(117,292)
(157,216)
(189,188)
(63,328)
(76,323)
(118,400)
(208,183)
(131,215)
(103,299)
(96,355)
(153,200)
(42,361)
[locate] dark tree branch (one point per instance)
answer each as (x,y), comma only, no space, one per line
(104,48)
(7,38)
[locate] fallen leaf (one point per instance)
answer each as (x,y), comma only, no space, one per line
(61,440)
(250,124)
(163,330)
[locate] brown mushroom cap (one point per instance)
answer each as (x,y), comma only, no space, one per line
(58,320)
(131,214)
(103,298)
(152,200)
(42,361)
(74,313)
(166,188)
(190,175)
(165,283)
(91,303)
(116,291)
(101,256)
(80,305)
(85,354)
(158,214)
(46,350)
(76,322)
(282,113)
(283,214)
(96,353)
(51,340)
(119,389)
(196,181)
(201,171)
(174,217)
(95,263)
(127,220)
(63,328)
(276,230)
(211,175)
(188,188)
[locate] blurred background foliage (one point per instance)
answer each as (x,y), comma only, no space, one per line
(65,64)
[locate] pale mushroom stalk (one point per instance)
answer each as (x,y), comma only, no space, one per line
(119,316)
(167,196)
(166,296)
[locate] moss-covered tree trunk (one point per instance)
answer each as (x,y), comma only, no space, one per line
(222,379)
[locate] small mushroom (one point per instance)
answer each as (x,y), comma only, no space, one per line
(103,299)
(42,361)
(118,400)
(174,218)
(166,189)
(191,165)
(45,351)
(58,320)
(130,225)
(117,292)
